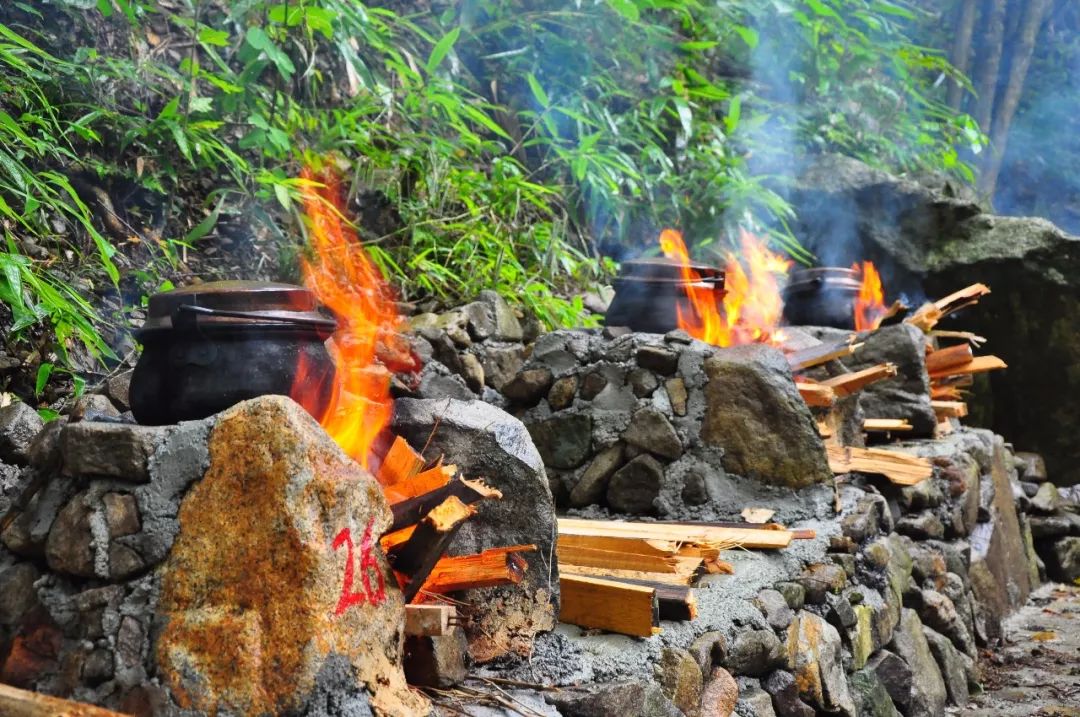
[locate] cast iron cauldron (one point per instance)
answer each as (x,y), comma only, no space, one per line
(209,346)
(648,292)
(822,296)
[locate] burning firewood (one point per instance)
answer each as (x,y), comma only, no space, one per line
(609,605)
(899,468)
(428,542)
(849,383)
(400,464)
(411,510)
(424,482)
(497,566)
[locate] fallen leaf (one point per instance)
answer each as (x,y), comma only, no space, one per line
(1044,636)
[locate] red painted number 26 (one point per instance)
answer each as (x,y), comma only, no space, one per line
(368,566)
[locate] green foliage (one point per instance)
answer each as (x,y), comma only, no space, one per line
(510,139)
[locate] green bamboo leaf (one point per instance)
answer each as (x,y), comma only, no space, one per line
(43,373)
(627,8)
(441,49)
(203,228)
(538,91)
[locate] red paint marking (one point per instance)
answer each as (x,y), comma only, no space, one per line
(368,564)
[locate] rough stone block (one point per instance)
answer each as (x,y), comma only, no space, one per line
(756,415)
(113,450)
(19,424)
(487,442)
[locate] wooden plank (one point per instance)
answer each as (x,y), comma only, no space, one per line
(617,560)
(428,542)
(887,425)
(412,510)
(949,409)
(817,395)
(679,532)
(850,383)
(23,703)
(948,357)
(613,573)
(897,467)
(817,355)
(428,620)
(675,602)
(979,364)
(490,568)
(401,463)
(639,546)
(608,605)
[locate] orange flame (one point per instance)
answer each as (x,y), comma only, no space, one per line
(870,303)
(752,306)
(346,281)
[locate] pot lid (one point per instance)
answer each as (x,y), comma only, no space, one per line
(235,304)
(662,269)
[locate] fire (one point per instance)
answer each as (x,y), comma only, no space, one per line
(870,303)
(346,281)
(752,305)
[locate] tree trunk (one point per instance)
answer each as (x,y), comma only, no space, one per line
(989,61)
(1020,61)
(961,50)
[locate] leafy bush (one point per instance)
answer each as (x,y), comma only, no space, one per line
(514,145)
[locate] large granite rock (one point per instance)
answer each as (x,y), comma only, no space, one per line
(486,442)
(276,593)
(756,415)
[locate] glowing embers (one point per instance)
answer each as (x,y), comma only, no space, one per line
(751,306)
(346,281)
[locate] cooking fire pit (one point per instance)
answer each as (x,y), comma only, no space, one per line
(823,296)
(649,292)
(210,346)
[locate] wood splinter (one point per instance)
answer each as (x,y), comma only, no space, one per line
(428,542)
(817,355)
(816,395)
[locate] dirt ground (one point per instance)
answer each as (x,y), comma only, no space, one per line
(1037,672)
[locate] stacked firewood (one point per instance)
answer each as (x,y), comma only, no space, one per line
(429,505)
(625,577)
(952,368)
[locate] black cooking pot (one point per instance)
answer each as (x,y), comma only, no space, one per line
(209,346)
(649,292)
(823,296)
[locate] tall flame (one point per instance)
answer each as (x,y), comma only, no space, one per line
(346,281)
(752,305)
(870,302)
